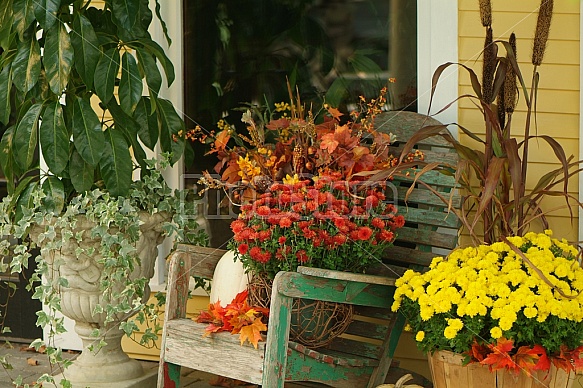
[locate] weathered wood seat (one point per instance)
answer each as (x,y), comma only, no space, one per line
(359,358)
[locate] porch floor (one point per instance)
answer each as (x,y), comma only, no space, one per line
(31,365)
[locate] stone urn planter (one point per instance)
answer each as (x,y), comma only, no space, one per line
(82,294)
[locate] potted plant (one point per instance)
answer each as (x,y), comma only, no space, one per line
(484,306)
(74,132)
(303,201)
(498,213)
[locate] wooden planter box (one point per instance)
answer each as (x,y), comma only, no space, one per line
(447,371)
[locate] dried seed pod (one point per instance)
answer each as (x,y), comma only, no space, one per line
(311,151)
(486,12)
(541,35)
(490,51)
(298,155)
(510,80)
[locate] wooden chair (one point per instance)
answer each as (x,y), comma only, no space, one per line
(361,357)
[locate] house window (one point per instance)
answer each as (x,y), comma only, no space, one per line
(237,52)
(335,50)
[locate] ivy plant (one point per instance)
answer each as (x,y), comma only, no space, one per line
(116,223)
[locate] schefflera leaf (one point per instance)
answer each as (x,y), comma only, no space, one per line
(45,12)
(54,138)
(171,126)
(55,194)
(130,84)
(86,48)
(26,65)
(116,164)
(105,74)
(58,57)
(81,172)
(87,135)
(26,137)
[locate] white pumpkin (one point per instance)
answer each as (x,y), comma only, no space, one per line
(401,383)
(228,280)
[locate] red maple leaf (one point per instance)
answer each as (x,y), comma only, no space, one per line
(478,352)
(527,358)
(500,357)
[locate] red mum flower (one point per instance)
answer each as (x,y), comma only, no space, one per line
(298,207)
(243,248)
(285,222)
(378,223)
(308,233)
(339,239)
(282,240)
(245,234)
(354,236)
(302,256)
(264,257)
(371,202)
(385,235)
(255,253)
(303,224)
(312,205)
(285,198)
(340,222)
(364,233)
(263,210)
(237,226)
(398,222)
(264,235)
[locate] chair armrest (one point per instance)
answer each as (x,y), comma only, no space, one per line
(349,276)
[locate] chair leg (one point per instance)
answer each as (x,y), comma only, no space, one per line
(170,375)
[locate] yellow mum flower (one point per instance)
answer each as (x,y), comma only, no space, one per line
(530,312)
(496,332)
(449,332)
(420,336)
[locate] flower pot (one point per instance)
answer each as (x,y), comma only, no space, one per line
(109,366)
(448,371)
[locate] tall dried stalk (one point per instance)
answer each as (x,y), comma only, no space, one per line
(541,37)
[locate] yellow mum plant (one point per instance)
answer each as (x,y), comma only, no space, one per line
(494,306)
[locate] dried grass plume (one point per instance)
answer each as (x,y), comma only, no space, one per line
(541,35)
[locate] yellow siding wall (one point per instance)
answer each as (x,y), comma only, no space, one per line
(558,103)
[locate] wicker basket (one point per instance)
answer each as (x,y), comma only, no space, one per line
(314,323)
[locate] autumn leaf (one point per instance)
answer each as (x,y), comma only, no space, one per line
(252,333)
(527,358)
(335,113)
(478,351)
(278,124)
(500,357)
(222,139)
(329,143)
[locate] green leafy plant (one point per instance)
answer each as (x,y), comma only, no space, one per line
(61,65)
